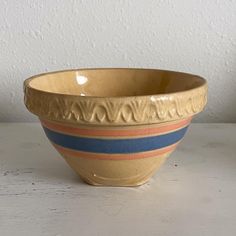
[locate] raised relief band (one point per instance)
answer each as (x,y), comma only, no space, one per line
(117,111)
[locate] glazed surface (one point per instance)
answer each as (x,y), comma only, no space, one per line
(115,96)
(115,82)
(115,156)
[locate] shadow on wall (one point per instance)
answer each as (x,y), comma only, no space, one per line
(227,92)
(221,102)
(12,108)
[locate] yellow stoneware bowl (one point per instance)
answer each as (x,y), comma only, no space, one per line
(115,126)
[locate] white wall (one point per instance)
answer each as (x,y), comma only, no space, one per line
(197,36)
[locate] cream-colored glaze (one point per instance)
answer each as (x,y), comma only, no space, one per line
(115,82)
(116,173)
(115,96)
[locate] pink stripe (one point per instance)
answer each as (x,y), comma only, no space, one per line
(113,132)
(103,156)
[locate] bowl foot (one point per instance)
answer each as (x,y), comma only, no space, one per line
(120,173)
(110,183)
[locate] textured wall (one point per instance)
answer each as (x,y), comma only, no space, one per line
(186,35)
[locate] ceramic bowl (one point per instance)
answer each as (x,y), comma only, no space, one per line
(115,127)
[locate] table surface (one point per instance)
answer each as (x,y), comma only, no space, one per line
(194,193)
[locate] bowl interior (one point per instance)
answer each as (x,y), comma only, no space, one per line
(115,82)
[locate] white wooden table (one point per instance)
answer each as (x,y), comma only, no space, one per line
(194,193)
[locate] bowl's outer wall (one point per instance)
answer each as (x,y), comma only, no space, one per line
(112,155)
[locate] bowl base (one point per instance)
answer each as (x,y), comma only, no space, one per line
(134,184)
(120,173)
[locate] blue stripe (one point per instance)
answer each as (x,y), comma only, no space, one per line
(115,145)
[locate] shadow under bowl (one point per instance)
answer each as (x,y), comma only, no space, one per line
(115,127)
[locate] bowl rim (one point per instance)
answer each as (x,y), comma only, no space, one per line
(168,106)
(28,80)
